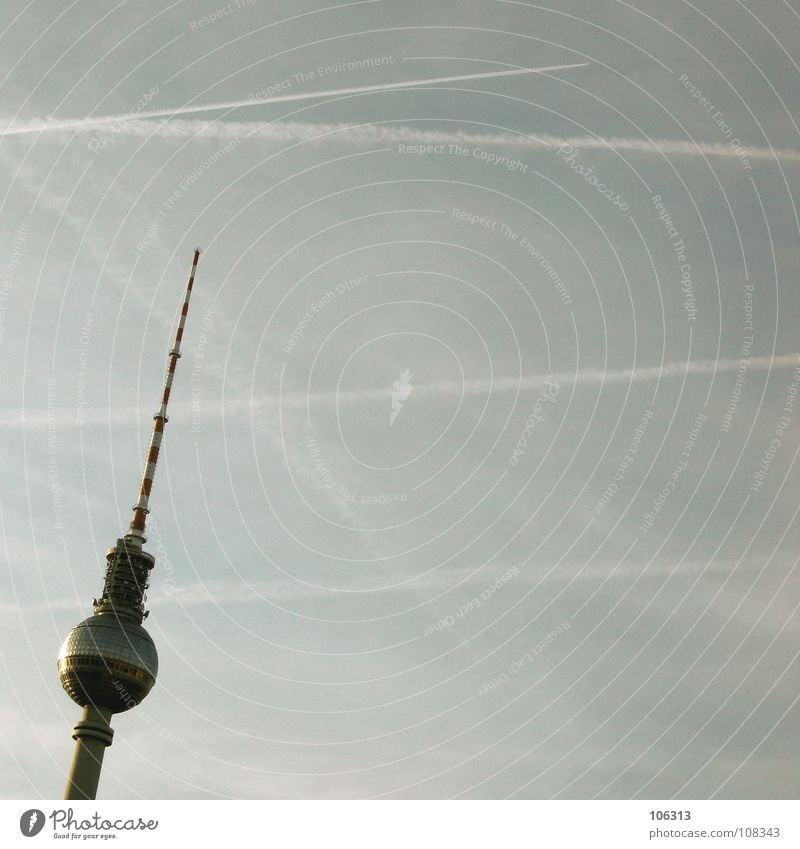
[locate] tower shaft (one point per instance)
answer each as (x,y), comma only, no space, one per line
(92,735)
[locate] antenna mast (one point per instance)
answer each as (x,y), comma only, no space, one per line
(140,509)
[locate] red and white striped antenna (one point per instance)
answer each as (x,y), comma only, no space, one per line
(140,510)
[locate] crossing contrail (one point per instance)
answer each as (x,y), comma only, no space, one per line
(57,124)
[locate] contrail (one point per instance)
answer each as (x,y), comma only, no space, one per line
(140,124)
(528,382)
(31,419)
(52,125)
(287,132)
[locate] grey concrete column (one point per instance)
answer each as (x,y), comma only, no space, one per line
(92,734)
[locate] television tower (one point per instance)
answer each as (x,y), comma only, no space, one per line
(108,663)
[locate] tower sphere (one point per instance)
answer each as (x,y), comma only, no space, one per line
(108,661)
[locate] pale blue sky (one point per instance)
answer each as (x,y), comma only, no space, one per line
(305,546)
